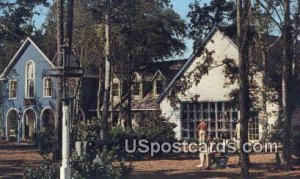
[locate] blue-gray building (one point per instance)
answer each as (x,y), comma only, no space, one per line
(28,90)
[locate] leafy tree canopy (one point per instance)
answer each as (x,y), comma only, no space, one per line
(204,17)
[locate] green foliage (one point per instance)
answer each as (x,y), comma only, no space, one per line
(153,130)
(276,133)
(43,140)
(100,165)
(118,136)
(205,16)
(156,130)
(47,170)
(16,25)
(89,131)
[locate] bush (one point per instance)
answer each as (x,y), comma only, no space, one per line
(156,130)
(43,140)
(89,131)
(96,166)
(117,138)
(153,130)
(47,170)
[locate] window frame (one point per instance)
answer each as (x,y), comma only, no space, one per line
(44,87)
(9,89)
(220,121)
(27,95)
(139,88)
(253,129)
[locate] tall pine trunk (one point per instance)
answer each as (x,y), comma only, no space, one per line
(59,63)
(287,85)
(243,9)
(107,82)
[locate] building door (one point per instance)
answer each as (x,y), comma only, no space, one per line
(29,123)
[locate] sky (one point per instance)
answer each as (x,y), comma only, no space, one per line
(180,6)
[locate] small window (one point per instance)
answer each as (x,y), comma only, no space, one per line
(136,88)
(159,87)
(115,89)
(47,87)
(13,89)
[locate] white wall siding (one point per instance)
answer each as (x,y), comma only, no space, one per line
(211,87)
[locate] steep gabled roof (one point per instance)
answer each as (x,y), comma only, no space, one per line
(19,53)
(189,62)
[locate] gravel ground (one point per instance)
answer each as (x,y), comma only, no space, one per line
(13,161)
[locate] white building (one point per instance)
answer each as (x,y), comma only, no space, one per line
(212,101)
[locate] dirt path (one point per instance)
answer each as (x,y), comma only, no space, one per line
(262,167)
(13,161)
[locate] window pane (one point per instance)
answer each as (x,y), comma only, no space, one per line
(159,86)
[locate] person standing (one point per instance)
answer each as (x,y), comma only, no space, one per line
(202,128)
(238,137)
(238,131)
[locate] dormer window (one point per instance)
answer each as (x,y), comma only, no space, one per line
(30,79)
(159,82)
(159,87)
(115,89)
(13,85)
(136,88)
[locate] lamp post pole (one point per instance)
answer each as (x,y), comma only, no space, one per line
(64,72)
(19,115)
(65,169)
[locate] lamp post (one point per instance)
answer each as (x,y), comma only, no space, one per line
(19,115)
(66,72)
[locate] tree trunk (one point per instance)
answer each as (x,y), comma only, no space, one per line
(129,95)
(99,92)
(243,8)
(120,120)
(58,107)
(107,82)
(69,30)
(287,85)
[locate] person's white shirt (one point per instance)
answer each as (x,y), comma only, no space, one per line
(238,131)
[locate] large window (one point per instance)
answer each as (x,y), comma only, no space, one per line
(13,85)
(47,87)
(253,128)
(221,118)
(136,89)
(30,78)
(115,89)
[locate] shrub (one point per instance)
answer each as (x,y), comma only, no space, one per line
(95,166)
(156,130)
(47,170)
(43,140)
(117,140)
(89,131)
